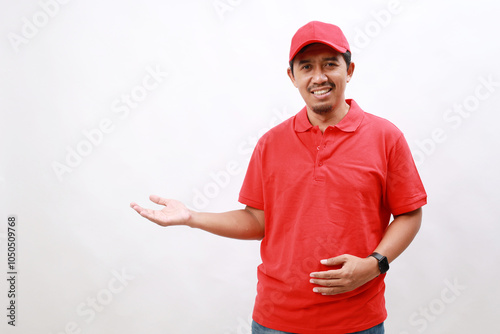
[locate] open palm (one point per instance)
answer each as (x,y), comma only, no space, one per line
(172,213)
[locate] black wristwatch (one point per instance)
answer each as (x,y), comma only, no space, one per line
(383,264)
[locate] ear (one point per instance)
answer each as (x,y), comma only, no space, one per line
(350,71)
(290,75)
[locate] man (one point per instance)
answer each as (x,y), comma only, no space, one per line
(319,191)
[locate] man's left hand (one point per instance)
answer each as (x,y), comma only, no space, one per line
(355,272)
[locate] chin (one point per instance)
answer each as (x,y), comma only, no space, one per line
(322,109)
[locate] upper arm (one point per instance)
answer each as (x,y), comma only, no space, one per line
(417,214)
(259,217)
(405,191)
(412,219)
(414,214)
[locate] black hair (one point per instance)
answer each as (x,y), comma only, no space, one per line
(346,55)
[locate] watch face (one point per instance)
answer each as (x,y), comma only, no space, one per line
(383,265)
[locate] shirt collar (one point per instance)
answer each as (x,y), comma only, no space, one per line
(349,123)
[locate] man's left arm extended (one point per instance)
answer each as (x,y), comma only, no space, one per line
(356,271)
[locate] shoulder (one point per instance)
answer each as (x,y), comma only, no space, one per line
(279,133)
(377,126)
(381,133)
(380,123)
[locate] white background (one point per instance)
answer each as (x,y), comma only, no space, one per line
(221,82)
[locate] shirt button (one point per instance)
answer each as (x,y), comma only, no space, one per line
(320,163)
(318,148)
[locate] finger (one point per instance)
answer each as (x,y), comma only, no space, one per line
(326,282)
(328,274)
(149,214)
(146,213)
(334,261)
(136,207)
(158,200)
(328,291)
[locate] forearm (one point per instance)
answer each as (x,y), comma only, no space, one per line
(237,224)
(400,234)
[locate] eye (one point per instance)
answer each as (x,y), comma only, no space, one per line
(306,67)
(331,64)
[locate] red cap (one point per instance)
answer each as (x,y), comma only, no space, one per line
(318,32)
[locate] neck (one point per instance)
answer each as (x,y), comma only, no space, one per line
(331,118)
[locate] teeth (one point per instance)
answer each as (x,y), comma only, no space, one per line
(321,92)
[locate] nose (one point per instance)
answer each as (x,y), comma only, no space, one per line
(319,76)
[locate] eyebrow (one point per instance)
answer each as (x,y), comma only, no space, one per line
(305,61)
(336,59)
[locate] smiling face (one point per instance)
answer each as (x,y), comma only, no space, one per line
(321,75)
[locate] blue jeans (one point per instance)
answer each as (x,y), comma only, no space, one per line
(259,329)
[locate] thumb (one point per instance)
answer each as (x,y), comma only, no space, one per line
(158,200)
(334,261)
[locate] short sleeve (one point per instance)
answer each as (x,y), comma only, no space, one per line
(404,189)
(252,192)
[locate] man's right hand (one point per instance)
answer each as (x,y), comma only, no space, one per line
(248,223)
(172,213)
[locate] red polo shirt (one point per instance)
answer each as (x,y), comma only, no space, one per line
(324,195)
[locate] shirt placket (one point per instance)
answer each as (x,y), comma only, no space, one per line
(323,153)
